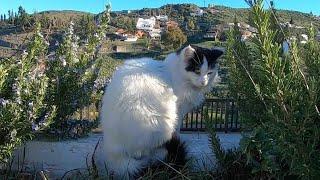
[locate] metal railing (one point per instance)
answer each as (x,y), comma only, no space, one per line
(223,113)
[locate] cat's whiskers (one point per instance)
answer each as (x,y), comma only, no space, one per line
(196,61)
(198,57)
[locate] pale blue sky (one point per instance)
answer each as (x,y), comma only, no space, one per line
(96,6)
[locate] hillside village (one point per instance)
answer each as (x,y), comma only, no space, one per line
(154,25)
(146,27)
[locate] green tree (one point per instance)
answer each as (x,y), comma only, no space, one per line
(124,22)
(291,21)
(173,38)
(23,18)
(45,21)
(191,24)
(85,26)
(12,17)
(272,4)
(9,16)
(146,42)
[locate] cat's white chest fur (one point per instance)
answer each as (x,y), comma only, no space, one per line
(144,105)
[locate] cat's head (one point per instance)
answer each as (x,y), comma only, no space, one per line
(200,65)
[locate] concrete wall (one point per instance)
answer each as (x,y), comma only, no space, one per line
(56,158)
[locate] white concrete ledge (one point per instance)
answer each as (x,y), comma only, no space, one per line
(56,158)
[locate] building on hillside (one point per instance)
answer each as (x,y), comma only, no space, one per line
(146,24)
(120,32)
(157,25)
(232,24)
(197,12)
(119,48)
(288,24)
(213,11)
(123,12)
(172,24)
(253,30)
(140,34)
(210,35)
(163,25)
(162,18)
(244,25)
(155,34)
(114,37)
(131,38)
(245,35)
(304,39)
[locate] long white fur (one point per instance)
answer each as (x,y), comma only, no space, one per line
(143,106)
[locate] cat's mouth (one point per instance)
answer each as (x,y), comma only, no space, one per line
(199,87)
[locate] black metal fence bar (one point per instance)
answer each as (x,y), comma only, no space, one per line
(222,112)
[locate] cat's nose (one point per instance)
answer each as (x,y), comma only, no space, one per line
(203,83)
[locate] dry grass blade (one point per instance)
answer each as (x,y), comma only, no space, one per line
(173,169)
(43,175)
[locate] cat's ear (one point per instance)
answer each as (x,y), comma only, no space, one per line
(186,53)
(216,53)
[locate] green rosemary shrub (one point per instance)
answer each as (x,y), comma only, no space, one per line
(278,96)
(38,93)
(23,88)
(74,72)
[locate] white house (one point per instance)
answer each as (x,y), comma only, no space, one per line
(305,39)
(163,18)
(155,33)
(131,39)
(232,24)
(197,12)
(146,24)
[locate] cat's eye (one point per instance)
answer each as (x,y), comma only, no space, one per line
(197,71)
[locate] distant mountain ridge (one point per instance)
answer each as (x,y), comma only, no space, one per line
(219,14)
(182,13)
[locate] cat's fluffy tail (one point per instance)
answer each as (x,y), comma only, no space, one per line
(177,153)
(175,157)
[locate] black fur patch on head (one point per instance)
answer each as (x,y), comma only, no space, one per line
(196,59)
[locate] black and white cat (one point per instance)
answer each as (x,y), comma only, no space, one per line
(145,102)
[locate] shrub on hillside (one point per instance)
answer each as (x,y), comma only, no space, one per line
(173,38)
